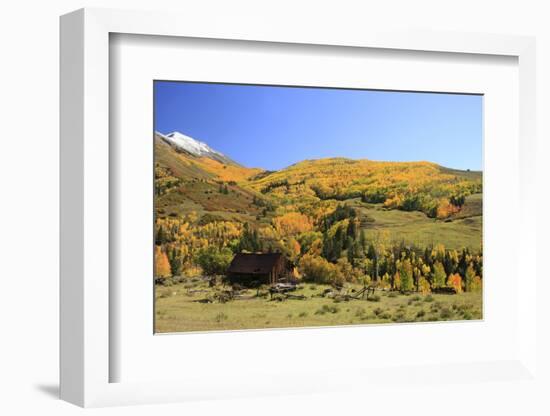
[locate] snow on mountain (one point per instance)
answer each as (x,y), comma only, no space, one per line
(195,147)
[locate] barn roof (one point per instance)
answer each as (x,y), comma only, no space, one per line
(252,263)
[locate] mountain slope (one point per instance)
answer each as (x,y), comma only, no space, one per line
(187,144)
(434,190)
(186,183)
(181,165)
(198,161)
(420,202)
(377,182)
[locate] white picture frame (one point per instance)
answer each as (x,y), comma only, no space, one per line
(86,353)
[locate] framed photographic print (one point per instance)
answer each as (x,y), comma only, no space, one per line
(270,205)
(315,206)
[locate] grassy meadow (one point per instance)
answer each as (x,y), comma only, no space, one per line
(460,230)
(179,308)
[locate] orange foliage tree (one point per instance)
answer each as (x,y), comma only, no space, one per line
(162,265)
(445,209)
(455,281)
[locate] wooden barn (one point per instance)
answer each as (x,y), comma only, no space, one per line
(258,268)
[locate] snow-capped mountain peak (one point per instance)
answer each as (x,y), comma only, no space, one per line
(193,146)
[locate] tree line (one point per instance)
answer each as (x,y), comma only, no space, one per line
(333,251)
(347,255)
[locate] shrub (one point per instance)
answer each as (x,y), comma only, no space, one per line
(209,218)
(165,293)
(214,260)
(327,309)
(164,281)
(278,298)
(220,317)
(464,307)
(399,316)
(445,313)
(317,269)
(420,313)
(374,298)
(428,298)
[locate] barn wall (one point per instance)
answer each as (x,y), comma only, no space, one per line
(247,279)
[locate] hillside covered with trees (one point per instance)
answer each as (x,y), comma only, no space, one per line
(403,225)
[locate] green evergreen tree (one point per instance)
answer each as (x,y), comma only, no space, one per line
(352,229)
(448,264)
(250,240)
(338,246)
(373,255)
(363,239)
(175,262)
(161,236)
(355,253)
(463,263)
(348,242)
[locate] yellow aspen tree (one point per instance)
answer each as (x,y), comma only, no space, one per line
(424,286)
(439,275)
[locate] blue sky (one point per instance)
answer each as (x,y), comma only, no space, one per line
(274,127)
